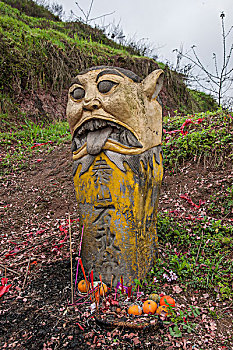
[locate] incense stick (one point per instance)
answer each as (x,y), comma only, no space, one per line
(87,284)
(102,286)
(115,296)
(111,282)
(71,266)
(92,284)
(80,247)
(122,286)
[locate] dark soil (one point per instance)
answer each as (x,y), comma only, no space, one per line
(36,313)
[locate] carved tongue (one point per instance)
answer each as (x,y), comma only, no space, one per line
(97,139)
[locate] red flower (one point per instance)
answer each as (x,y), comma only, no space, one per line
(4,288)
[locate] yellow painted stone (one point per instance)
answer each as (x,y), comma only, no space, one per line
(119,217)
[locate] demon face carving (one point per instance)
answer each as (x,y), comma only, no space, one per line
(109,108)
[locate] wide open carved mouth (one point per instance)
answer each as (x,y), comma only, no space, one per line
(95,133)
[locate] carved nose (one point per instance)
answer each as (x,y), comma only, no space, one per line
(91,105)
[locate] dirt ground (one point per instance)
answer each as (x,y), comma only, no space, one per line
(34,208)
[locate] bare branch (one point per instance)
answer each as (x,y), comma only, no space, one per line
(87,14)
(210,75)
(229,31)
(229,72)
(90,8)
(228,87)
(81,10)
(203,86)
(229,55)
(107,14)
(215,64)
(221,80)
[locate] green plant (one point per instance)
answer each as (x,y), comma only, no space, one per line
(195,253)
(203,136)
(21,144)
(222,202)
(181,321)
(225,290)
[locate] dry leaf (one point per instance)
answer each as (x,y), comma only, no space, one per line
(177,289)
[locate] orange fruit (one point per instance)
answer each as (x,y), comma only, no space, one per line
(162,308)
(135,310)
(149,307)
(103,289)
(82,286)
(167,300)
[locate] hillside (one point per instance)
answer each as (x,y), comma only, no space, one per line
(39,56)
(195,222)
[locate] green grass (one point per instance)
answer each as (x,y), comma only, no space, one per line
(19,145)
(209,136)
(221,203)
(70,30)
(199,253)
(37,52)
(32,9)
(17,26)
(195,256)
(204,101)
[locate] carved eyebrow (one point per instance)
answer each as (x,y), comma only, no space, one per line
(75,81)
(108,71)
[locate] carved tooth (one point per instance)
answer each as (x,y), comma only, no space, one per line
(115,136)
(91,126)
(82,139)
(81,130)
(77,142)
(94,124)
(86,126)
(98,123)
(123,138)
(132,141)
(128,139)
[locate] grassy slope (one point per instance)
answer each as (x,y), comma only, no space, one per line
(28,45)
(39,53)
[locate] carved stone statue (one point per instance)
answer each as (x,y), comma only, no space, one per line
(116,126)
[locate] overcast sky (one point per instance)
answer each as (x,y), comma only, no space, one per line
(167,23)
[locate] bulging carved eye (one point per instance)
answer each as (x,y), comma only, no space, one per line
(105,86)
(78,93)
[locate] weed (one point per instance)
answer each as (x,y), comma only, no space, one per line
(221,202)
(193,252)
(182,321)
(205,136)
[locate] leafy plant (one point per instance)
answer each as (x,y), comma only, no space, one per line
(201,136)
(201,265)
(181,321)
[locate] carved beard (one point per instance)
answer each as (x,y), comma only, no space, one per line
(96,132)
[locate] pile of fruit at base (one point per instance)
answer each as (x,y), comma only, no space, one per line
(123,307)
